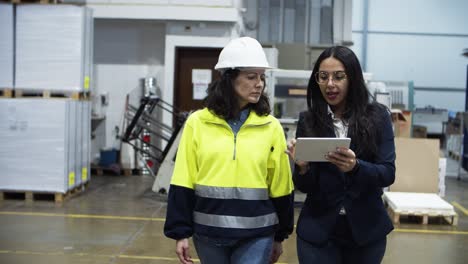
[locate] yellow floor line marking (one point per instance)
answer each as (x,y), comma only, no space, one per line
(152,257)
(460,207)
(402,230)
(112,217)
(25,252)
(85,216)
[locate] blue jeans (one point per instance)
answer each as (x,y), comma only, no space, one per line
(334,253)
(233,251)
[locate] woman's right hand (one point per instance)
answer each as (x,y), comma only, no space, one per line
(303,165)
(183,252)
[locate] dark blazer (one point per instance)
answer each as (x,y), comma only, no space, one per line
(360,192)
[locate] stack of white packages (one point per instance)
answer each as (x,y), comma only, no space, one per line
(80,132)
(89,51)
(6,46)
(86,142)
(40,147)
(73,175)
(442,173)
(418,203)
(53,47)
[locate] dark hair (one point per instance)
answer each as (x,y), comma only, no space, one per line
(362,116)
(223,100)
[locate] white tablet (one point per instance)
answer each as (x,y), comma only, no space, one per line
(315,149)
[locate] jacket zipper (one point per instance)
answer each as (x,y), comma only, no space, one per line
(235,135)
(235,140)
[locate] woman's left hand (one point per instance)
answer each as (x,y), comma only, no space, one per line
(343,158)
(276,252)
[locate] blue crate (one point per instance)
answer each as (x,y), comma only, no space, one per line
(108,157)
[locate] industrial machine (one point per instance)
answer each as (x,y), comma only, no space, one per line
(431,118)
(154,141)
(287,90)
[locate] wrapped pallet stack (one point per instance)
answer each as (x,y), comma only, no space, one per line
(6,47)
(53,44)
(45,144)
(45,125)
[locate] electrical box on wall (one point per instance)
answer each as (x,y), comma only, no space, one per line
(297,56)
(293,56)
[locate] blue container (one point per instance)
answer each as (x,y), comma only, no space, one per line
(108,157)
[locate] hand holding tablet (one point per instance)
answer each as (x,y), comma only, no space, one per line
(315,149)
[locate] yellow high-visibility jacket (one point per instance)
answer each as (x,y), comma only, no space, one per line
(231,186)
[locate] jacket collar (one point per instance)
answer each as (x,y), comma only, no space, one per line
(253,119)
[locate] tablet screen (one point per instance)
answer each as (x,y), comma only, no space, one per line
(315,149)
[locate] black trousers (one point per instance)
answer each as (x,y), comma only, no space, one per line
(341,248)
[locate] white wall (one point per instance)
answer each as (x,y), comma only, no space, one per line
(128,50)
(431,61)
(418,40)
(424,16)
(219,3)
(202,29)
(125,51)
(137,39)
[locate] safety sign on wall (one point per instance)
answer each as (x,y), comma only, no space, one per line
(201,78)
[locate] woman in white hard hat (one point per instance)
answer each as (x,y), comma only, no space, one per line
(231,189)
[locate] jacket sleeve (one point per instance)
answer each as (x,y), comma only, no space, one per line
(180,204)
(381,171)
(307,182)
(281,189)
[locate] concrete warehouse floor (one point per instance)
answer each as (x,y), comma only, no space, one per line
(118,219)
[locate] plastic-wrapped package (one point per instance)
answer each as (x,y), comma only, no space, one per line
(53,47)
(73,160)
(6,46)
(38,146)
(86,142)
(81,142)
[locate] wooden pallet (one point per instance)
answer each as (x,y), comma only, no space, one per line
(423,207)
(422,217)
(34,196)
(97,170)
(22,93)
(6,93)
(34,1)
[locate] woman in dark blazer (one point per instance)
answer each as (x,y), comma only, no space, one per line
(343,219)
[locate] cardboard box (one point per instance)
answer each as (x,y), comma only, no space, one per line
(417,165)
(405,127)
(401,122)
(419,131)
(442,173)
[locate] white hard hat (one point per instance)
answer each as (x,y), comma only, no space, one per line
(242,52)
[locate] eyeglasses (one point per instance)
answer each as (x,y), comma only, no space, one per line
(322,77)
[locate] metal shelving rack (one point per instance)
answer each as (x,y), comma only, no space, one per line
(143,126)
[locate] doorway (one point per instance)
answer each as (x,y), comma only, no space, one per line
(202,60)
